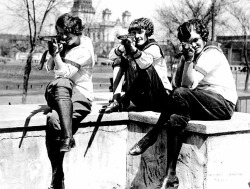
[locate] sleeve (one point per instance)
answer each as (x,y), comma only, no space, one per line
(73,61)
(145,58)
(49,65)
(208,61)
(115,53)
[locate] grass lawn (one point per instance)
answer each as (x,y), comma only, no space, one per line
(11,80)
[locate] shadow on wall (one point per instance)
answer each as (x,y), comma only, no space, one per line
(151,164)
(42,108)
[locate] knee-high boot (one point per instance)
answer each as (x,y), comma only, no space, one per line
(53,144)
(65,112)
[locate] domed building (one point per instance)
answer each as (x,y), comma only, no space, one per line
(102,33)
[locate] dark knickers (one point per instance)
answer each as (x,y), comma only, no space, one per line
(197,104)
(143,87)
(81,105)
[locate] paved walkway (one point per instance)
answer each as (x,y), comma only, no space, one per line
(39,99)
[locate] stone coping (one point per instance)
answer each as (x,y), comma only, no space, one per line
(33,117)
(238,123)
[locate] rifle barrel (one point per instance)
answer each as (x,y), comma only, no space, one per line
(48,38)
(126,36)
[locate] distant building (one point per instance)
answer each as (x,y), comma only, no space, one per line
(84,10)
(232,47)
(11,44)
(103,33)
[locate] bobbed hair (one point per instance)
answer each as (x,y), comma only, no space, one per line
(197,25)
(70,24)
(142,23)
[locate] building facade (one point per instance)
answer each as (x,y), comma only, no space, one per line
(233,48)
(103,33)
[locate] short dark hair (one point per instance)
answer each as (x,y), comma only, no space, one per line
(142,23)
(70,24)
(195,24)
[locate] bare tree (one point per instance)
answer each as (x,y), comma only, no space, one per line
(176,12)
(33,14)
(241,15)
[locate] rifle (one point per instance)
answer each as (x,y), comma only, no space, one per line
(126,36)
(124,40)
(58,38)
(50,38)
(184,47)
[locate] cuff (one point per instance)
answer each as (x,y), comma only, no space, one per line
(136,54)
(60,73)
(118,52)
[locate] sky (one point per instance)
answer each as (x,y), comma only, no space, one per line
(137,8)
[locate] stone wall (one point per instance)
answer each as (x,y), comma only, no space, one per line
(215,154)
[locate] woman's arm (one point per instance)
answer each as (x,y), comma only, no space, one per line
(73,61)
(116,52)
(59,64)
(50,64)
(146,58)
(188,69)
(177,78)
(187,74)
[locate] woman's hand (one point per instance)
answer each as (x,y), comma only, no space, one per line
(188,52)
(121,48)
(129,45)
(54,47)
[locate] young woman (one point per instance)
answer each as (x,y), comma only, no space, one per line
(139,60)
(70,94)
(204,89)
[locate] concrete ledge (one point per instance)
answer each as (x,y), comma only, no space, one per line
(33,117)
(238,123)
(215,153)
